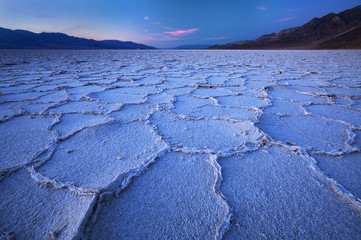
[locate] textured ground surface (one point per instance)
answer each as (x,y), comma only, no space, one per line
(180,144)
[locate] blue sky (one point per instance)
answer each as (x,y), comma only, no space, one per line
(165,23)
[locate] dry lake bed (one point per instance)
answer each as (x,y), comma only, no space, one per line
(165,144)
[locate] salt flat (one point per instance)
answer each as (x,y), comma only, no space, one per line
(180,144)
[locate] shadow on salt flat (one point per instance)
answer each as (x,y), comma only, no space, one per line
(37,108)
(44,212)
(247,91)
(57,96)
(354,83)
(205,135)
(303,82)
(19,97)
(10,109)
(22,88)
(149,80)
(212,92)
(174,199)
(357,140)
(258,84)
(345,169)
(307,131)
(130,113)
(241,101)
(308,90)
(79,107)
(287,94)
(235,81)
(69,124)
(336,113)
(161,98)
(96,156)
(216,80)
(204,108)
(274,195)
(282,107)
(357,104)
(118,96)
(182,81)
(344,91)
(22,138)
(177,91)
(79,92)
(345,101)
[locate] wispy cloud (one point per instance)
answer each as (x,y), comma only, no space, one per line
(167,36)
(180,33)
(263,8)
(149,20)
(165,27)
(216,38)
(75,27)
(284,19)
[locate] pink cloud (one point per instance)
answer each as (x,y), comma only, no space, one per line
(262,8)
(284,19)
(146,18)
(180,33)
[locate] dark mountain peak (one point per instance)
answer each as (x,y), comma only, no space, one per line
(330,15)
(22,39)
(313,20)
(306,36)
(55,34)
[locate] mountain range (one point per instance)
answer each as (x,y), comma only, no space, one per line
(333,31)
(21,39)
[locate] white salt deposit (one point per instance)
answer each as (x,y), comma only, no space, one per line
(180,144)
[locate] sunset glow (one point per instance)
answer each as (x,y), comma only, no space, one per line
(180,33)
(164,23)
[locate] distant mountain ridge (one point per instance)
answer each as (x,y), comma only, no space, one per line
(21,39)
(312,35)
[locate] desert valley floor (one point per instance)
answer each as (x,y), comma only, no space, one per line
(180,144)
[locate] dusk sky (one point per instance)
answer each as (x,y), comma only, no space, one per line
(165,23)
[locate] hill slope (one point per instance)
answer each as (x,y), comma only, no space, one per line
(21,39)
(308,36)
(348,40)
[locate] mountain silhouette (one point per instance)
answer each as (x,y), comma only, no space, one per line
(21,39)
(319,33)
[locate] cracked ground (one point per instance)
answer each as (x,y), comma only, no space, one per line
(180,144)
